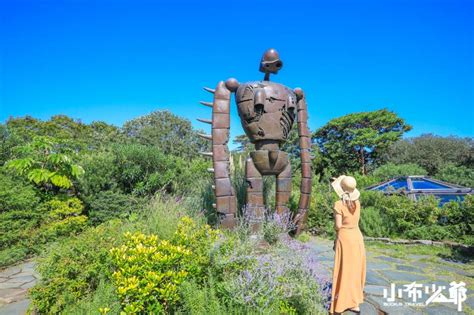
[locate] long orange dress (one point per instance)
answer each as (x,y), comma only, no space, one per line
(348,279)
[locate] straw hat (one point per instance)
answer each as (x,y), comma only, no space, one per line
(345,187)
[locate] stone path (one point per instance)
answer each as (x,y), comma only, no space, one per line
(14,284)
(383,269)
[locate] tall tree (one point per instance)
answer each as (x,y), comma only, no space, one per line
(166,131)
(357,141)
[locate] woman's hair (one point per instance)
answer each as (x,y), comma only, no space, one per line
(350,204)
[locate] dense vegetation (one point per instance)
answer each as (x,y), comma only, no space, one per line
(119,214)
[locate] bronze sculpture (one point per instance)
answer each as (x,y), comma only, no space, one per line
(267,111)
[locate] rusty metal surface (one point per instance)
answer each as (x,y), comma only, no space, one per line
(267,111)
(305,157)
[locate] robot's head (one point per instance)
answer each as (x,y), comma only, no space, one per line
(270,62)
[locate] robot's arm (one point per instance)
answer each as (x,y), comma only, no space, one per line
(305,146)
(226,205)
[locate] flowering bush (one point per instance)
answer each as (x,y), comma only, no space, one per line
(254,276)
(280,282)
(149,271)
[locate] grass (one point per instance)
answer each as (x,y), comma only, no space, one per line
(402,250)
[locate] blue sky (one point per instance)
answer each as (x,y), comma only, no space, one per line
(114,60)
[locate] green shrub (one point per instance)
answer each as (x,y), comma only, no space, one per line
(73,268)
(429,232)
(144,170)
(18,210)
(15,253)
(62,216)
(100,173)
(372,222)
(320,216)
(304,237)
(149,271)
(106,205)
(461,175)
(199,299)
(391,170)
(103,300)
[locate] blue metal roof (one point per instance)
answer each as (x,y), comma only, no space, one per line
(414,186)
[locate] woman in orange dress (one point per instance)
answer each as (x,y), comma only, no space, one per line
(348,279)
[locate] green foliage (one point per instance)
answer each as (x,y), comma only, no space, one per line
(167,132)
(107,205)
(73,268)
(18,210)
(320,216)
(460,175)
(26,222)
(100,172)
(356,141)
(372,222)
(304,237)
(201,299)
(62,216)
(103,300)
(8,140)
(432,152)
(14,253)
(149,271)
(71,133)
(390,170)
(458,218)
(144,170)
(43,163)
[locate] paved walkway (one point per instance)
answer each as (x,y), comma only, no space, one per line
(14,284)
(382,270)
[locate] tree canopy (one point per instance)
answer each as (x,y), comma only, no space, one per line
(355,141)
(433,152)
(164,130)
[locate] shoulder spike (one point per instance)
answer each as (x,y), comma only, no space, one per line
(209,90)
(208,104)
(203,135)
(206,121)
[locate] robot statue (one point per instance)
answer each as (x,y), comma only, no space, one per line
(267,111)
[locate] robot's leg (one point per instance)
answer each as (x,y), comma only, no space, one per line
(255,208)
(283,190)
